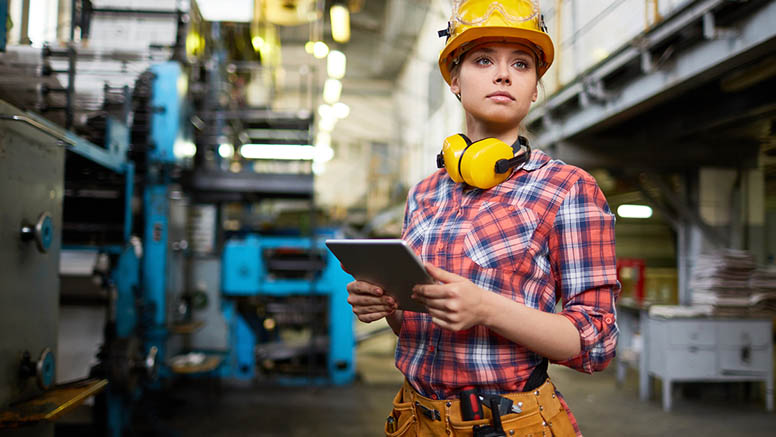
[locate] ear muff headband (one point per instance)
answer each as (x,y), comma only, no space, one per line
(482,164)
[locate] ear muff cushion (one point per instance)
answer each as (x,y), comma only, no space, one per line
(452,150)
(478,164)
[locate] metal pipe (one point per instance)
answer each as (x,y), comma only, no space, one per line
(24,38)
(70,96)
(40,126)
(116,11)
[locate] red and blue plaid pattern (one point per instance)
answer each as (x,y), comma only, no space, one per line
(544,235)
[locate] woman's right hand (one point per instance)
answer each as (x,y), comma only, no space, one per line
(369,301)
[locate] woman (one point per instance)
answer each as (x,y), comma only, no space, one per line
(504,248)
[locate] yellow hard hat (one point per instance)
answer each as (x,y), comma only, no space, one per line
(480,21)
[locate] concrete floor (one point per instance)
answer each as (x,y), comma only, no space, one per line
(602,408)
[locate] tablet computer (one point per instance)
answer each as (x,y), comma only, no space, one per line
(387,263)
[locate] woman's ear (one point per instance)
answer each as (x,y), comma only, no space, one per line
(455,86)
(535,95)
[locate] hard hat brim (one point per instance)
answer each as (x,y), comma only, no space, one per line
(454,48)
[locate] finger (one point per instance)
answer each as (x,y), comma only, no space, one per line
(371,317)
(431,291)
(441,275)
(366,299)
(361,287)
(440,322)
(372,309)
(439,313)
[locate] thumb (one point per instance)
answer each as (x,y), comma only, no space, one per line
(441,275)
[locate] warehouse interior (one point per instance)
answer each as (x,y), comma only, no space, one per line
(171,169)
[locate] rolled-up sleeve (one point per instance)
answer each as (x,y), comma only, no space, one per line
(583,261)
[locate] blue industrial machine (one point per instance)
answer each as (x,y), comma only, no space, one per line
(271,283)
(164,134)
(86,216)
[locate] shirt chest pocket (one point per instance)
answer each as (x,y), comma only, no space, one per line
(419,225)
(500,236)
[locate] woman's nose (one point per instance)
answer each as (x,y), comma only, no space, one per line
(502,76)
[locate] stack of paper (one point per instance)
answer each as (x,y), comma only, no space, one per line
(763,284)
(722,280)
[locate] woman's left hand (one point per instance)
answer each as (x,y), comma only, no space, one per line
(455,303)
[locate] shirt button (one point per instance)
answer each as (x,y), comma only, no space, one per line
(608,320)
(434,397)
(431,348)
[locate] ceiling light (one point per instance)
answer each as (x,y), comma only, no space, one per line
(332,89)
(184,149)
(327,124)
(319,167)
(323,153)
(341,110)
(336,64)
(326,111)
(340,23)
(308,47)
(258,43)
(323,139)
(634,211)
(293,152)
(320,50)
(240,11)
(226,151)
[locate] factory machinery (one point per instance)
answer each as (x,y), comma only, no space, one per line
(119,279)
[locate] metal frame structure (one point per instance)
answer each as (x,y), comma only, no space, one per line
(721,49)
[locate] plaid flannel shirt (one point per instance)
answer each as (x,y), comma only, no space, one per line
(544,235)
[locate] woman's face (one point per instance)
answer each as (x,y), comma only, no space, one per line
(497,83)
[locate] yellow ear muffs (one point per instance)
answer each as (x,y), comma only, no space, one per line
(482,164)
(478,164)
(450,156)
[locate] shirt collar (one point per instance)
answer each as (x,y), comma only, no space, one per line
(537,160)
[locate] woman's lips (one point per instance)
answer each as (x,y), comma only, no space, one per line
(501,97)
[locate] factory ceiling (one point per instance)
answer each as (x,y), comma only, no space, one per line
(382,36)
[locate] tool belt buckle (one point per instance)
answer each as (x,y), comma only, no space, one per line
(428,412)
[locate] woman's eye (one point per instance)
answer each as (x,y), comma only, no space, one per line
(520,64)
(482,61)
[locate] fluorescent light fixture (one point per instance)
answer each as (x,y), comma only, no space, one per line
(291,152)
(323,153)
(341,110)
(336,64)
(320,50)
(332,89)
(226,10)
(340,23)
(226,151)
(634,211)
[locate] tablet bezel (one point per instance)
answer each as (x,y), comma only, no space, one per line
(388,263)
